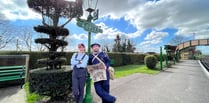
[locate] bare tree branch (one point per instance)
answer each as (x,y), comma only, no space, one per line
(28,40)
(177,40)
(4,40)
(66,22)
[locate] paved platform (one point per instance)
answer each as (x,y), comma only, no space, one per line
(12,94)
(183,83)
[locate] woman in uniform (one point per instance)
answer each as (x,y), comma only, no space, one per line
(79,62)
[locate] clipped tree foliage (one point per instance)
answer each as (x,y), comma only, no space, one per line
(62,8)
(54,31)
(151,61)
(53,83)
(52,11)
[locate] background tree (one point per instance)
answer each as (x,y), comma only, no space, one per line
(105,48)
(5,36)
(117,45)
(17,44)
(130,46)
(178,39)
(27,38)
(123,45)
(4,39)
(106,44)
(198,52)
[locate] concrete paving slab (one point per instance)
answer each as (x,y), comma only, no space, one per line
(12,94)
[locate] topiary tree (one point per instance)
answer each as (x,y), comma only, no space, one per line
(150,61)
(52,11)
(53,80)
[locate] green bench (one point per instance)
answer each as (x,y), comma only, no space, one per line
(9,73)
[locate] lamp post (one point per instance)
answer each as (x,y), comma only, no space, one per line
(91,6)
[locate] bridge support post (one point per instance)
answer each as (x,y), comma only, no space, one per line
(177,56)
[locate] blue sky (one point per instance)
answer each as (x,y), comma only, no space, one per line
(149,24)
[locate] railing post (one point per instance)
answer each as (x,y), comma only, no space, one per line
(167,57)
(161,59)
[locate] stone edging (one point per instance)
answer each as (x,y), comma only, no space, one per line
(204,69)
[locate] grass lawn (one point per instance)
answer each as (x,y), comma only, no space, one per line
(31,97)
(131,69)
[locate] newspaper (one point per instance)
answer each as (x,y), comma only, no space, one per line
(97,72)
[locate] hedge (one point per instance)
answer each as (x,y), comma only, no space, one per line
(34,56)
(127,58)
(120,59)
(54,83)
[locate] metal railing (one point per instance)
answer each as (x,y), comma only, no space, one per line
(205,62)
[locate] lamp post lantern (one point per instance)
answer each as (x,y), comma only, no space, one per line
(90,6)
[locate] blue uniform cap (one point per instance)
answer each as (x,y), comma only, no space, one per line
(95,44)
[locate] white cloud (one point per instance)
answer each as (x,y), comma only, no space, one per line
(78,37)
(17,9)
(151,40)
(117,8)
(110,33)
(156,35)
(75,39)
(148,48)
(187,16)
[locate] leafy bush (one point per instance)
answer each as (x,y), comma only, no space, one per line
(151,61)
(53,83)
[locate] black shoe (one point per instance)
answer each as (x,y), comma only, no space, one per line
(115,100)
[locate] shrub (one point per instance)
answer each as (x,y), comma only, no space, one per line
(53,83)
(151,61)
